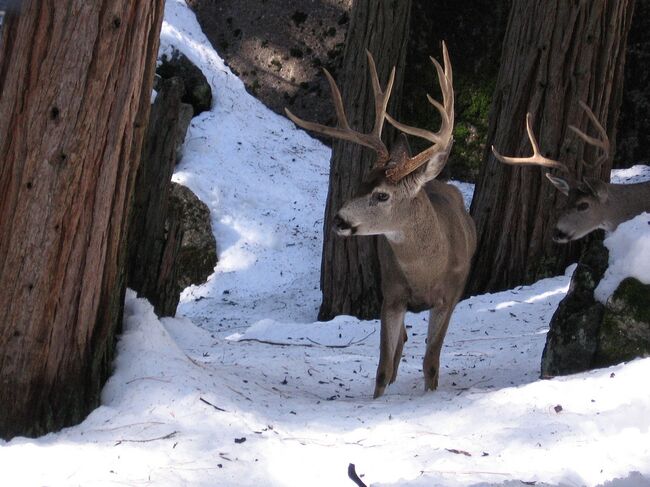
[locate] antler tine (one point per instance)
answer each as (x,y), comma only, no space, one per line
(381,99)
(602,142)
(537,159)
(442,139)
(343,130)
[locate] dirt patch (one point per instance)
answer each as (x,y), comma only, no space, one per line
(278,48)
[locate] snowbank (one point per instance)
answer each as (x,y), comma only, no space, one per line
(629,256)
(259,395)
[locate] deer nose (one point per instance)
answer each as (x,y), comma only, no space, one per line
(560,236)
(341,224)
(342,227)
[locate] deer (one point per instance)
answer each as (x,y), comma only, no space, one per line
(431,237)
(592,204)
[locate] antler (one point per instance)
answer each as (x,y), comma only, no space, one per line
(343,131)
(442,139)
(602,142)
(537,159)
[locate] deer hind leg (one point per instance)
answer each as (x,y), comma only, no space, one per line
(438,324)
(392,342)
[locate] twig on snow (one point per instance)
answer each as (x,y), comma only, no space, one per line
(308,345)
(352,473)
(350,343)
(210,404)
(166,437)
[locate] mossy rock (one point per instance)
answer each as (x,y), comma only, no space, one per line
(625,331)
(572,339)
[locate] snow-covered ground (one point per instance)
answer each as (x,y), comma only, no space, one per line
(246,390)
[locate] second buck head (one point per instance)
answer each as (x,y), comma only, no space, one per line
(590,205)
(430,234)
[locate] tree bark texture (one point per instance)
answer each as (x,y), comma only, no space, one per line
(350,275)
(633,138)
(555,54)
(75,87)
(154,242)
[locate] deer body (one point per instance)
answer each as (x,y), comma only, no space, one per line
(430,237)
(425,261)
(424,267)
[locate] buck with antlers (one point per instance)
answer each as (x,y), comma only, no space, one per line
(592,204)
(431,236)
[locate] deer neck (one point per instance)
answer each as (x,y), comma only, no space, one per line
(417,241)
(625,202)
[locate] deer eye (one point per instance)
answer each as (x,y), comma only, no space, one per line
(583,206)
(381,196)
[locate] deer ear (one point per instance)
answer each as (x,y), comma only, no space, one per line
(400,149)
(597,188)
(561,184)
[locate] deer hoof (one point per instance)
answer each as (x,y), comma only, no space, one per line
(431,380)
(379,391)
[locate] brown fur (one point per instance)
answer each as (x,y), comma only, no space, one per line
(425,261)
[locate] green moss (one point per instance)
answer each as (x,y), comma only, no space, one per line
(636,297)
(473,98)
(625,332)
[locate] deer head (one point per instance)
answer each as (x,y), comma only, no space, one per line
(587,206)
(383,202)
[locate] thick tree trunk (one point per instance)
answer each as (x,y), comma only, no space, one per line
(633,139)
(350,277)
(555,54)
(75,85)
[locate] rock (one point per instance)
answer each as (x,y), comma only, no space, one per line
(585,334)
(197,93)
(625,330)
(572,338)
(197,256)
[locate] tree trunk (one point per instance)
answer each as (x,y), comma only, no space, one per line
(555,54)
(350,276)
(633,138)
(75,86)
(153,248)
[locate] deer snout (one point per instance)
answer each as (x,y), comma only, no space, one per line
(560,236)
(343,227)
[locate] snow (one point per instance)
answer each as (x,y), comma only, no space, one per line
(246,389)
(634,174)
(629,248)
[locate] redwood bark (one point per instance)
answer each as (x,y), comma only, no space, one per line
(350,275)
(75,85)
(555,54)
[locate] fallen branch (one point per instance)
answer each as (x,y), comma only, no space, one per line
(308,345)
(210,404)
(352,473)
(279,344)
(166,437)
(148,378)
(350,343)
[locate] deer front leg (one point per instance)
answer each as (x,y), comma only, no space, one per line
(403,338)
(392,341)
(438,324)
